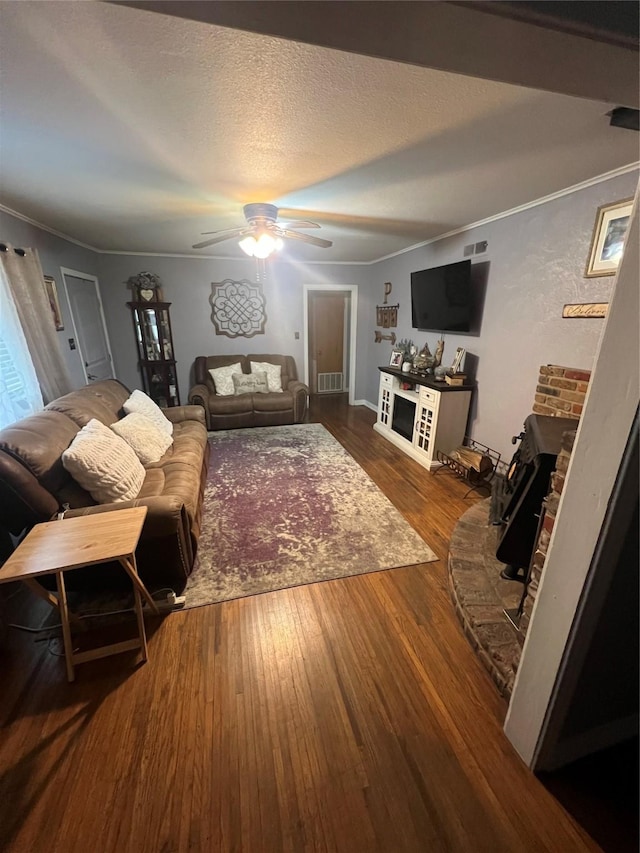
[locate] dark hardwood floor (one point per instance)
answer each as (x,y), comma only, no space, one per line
(347,716)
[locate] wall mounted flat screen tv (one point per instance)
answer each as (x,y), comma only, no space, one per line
(442,298)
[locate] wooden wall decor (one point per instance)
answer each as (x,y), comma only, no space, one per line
(238,308)
(379,337)
(586,309)
(387,316)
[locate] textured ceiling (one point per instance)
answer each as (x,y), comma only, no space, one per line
(133,131)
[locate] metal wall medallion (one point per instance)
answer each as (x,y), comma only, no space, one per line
(237,308)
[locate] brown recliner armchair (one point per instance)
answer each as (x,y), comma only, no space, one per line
(248,410)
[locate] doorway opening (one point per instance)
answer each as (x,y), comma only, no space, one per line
(330,314)
(89,326)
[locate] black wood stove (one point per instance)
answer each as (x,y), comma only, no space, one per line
(517,497)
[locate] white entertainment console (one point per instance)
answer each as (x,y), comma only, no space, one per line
(430,416)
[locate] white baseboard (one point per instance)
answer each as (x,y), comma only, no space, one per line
(366,403)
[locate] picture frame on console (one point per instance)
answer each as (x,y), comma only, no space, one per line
(457,361)
(396,358)
(612,222)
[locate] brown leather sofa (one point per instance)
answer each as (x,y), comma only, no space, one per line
(34,485)
(249,410)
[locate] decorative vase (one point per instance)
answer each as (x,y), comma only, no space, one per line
(406,366)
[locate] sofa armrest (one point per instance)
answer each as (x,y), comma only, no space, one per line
(164,513)
(178,414)
(300,398)
(199,396)
(165,553)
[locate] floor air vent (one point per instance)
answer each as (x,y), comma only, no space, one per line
(328,382)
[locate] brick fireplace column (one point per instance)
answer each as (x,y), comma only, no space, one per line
(550,508)
(560,391)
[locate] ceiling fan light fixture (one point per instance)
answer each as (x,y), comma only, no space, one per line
(248,244)
(261,247)
(264,235)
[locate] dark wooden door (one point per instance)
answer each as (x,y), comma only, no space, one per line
(326,341)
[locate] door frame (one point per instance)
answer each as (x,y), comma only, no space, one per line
(87,277)
(352,289)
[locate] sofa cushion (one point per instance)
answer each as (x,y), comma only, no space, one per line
(222,380)
(252,383)
(144,405)
(147,440)
(104,464)
(281,401)
(175,479)
(189,445)
(273,371)
(104,404)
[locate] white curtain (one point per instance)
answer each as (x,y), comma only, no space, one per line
(23,275)
(19,390)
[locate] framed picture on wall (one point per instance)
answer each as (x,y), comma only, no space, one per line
(612,221)
(52,296)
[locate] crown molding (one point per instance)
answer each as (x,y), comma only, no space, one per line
(598,179)
(583,185)
(43,227)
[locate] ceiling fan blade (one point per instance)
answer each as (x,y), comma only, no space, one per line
(223,231)
(306,238)
(219,239)
(301,223)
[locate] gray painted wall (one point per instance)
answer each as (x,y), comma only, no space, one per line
(54,253)
(536,263)
(187,285)
(537,260)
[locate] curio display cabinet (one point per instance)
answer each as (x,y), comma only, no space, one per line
(152,329)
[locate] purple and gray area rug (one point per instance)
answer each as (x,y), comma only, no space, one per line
(286,506)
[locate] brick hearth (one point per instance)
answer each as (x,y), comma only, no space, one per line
(480,595)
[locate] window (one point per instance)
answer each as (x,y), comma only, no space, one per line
(19,390)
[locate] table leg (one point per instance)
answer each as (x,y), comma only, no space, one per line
(129,565)
(66,630)
(45,595)
(141,630)
(131,568)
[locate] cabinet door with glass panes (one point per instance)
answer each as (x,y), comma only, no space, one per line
(152,329)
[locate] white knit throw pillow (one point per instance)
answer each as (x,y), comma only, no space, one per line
(222,379)
(147,440)
(273,371)
(104,464)
(144,405)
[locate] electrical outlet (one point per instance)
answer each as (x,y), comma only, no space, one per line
(481,247)
(297,335)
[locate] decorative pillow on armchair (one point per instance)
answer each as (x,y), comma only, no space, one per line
(222,379)
(250,383)
(273,371)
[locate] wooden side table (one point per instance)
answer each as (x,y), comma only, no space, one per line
(56,547)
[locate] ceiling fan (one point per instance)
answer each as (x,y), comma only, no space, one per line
(262,234)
